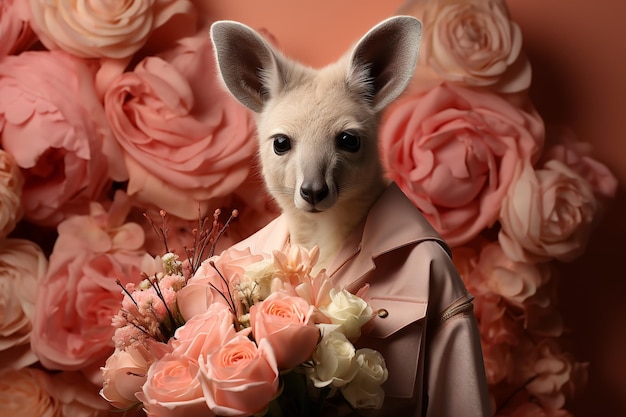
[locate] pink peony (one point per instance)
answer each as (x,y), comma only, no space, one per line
(455,152)
(172,389)
(11,183)
(23,267)
(79,296)
(286,323)
(239,378)
(547,214)
(185,142)
(25,393)
(54,126)
(15,30)
(114,29)
(473,43)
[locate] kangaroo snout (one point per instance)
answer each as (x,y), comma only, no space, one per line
(313,193)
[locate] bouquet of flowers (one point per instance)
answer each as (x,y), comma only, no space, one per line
(239,334)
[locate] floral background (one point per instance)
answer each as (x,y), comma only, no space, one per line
(98,127)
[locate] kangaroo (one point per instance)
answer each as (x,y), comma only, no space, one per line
(317,128)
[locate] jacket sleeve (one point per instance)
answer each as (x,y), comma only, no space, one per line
(455,378)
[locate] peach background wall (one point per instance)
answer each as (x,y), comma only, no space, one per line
(578,52)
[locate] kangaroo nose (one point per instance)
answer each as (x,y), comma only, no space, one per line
(314,193)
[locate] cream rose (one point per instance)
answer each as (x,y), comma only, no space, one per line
(547,214)
(124,373)
(348,311)
(97,29)
(334,360)
(365,390)
(11,183)
(23,267)
(474,43)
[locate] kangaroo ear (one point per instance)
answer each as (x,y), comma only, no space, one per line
(248,65)
(383,61)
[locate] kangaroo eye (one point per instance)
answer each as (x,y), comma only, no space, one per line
(282,144)
(348,141)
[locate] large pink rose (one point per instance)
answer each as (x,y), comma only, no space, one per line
(172,389)
(110,29)
(25,393)
(455,151)
(79,296)
(472,43)
(239,378)
(15,30)
(204,332)
(286,322)
(23,267)
(185,141)
(11,183)
(548,213)
(53,124)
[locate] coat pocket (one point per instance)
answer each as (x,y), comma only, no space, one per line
(394,314)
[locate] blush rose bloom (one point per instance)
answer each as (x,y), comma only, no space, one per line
(365,391)
(112,29)
(53,124)
(79,296)
(15,30)
(77,396)
(172,389)
(455,151)
(239,378)
(23,267)
(547,214)
(11,183)
(204,332)
(123,375)
(186,142)
(25,393)
(286,323)
(473,43)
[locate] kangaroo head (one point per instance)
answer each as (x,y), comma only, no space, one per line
(317,128)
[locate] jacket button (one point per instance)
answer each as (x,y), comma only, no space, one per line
(382,313)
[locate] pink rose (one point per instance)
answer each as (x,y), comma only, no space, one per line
(286,323)
(547,214)
(239,378)
(196,297)
(77,396)
(15,30)
(79,295)
(185,141)
(106,29)
(172,389)
(124,373)
(11,183)
(555,374)
(23,267)
(54,126)
(25,393)
(455,152)
(577,156)
(204,332)
(473,43)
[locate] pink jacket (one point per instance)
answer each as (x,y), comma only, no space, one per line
(429,339)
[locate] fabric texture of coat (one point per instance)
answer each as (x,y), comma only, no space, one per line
(429,337)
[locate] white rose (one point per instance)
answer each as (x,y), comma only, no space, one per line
(348,311)
(260,274)
(365,391)
(334,360)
